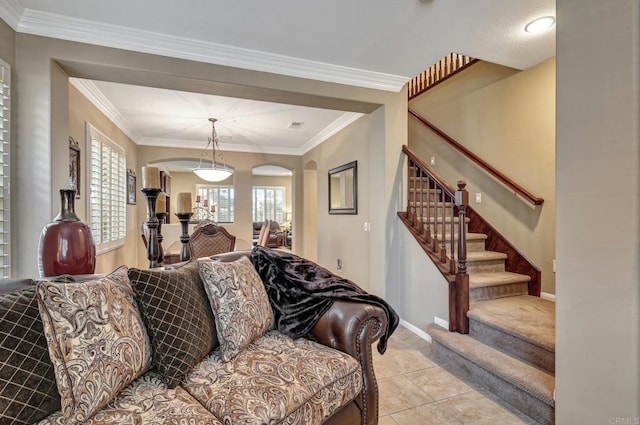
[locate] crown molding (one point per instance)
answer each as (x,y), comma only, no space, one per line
(95,96)
(10,12)
(226,147)
(92,32)
(343,121)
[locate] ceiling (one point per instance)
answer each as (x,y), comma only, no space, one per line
(375,44)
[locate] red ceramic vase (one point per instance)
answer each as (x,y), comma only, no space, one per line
(66,244)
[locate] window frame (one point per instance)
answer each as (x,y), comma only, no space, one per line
(117,198)
(276,214)
(5,170)
(231,208)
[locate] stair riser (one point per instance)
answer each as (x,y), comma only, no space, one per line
(498,291)
(468,370)
(472,246)
(513,346)
(483,266)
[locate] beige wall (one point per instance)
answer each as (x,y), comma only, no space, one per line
(81,111)
(41,130)
(7,43)
(309,216)
(343,236)
(507,118)
(598,219)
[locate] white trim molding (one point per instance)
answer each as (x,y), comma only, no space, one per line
(100,101)
(98,33)
(10,12)
(416,330)
(343,121)
(548,296)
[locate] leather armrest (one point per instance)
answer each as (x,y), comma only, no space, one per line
(353,328)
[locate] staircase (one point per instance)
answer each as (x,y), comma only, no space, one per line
(510,345)
(510,348)
(501,334)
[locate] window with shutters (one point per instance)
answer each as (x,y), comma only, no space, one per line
(219,196)
(268,203)
(107,190)
(5,126)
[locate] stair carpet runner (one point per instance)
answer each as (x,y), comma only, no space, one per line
(510,348)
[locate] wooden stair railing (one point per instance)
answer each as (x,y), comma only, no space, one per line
(433,206)
(446,67)
(489,169)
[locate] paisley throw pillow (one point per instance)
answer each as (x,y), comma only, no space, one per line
(96,339)
(239,301)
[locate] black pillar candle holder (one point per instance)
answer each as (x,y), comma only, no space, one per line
(183,218)
(160,216)
(153,248)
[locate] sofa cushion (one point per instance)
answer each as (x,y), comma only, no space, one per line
(239,301)
(28,390)
(147,400)
(179,320)
(96,339)
(276,380)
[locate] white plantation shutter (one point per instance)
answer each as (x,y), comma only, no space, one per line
(107,185)
(5,125)
(220,196)
(268,203)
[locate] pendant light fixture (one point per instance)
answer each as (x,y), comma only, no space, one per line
(218,171)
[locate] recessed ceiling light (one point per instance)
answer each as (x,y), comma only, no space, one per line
(540,24)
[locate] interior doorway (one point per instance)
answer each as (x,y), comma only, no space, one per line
(273,200)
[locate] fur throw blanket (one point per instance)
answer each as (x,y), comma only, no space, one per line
(300,291)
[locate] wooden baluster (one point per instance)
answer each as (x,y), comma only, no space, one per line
(434,240)
(413,184)
(452,246)
(443,242)
(410,166)
(421,205)
(427,237)
(462,277)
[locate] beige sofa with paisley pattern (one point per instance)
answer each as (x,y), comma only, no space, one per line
(274,379)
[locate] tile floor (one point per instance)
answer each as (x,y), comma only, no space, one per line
(416,391)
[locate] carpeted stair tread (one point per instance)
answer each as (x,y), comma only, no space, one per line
(484,279)
(526,317)
(527,378)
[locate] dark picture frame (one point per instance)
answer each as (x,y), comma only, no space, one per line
(343,189)
(131,187)
(74,166)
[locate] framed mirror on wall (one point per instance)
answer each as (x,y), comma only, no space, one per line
(343,189)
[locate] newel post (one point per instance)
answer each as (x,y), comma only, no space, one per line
(460,290)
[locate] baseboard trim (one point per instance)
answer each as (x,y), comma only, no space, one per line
(548,296)
(441,322)
(416,330)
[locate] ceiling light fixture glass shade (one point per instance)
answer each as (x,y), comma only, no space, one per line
(218,171)
(540,24)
